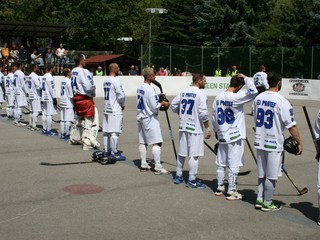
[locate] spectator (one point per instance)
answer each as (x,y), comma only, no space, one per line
(161,72)
(167,71)
(174,72)
(14,54)
(132,71)
(234,71)
(99,71)
(61,58)
(228,72)
(23,54)
(179,73)
(49,57)
(217,72)
(34,57)
(119,73)
(5,54)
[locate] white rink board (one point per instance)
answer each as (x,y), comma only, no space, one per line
(303,89)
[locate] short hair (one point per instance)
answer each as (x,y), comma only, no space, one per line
(33,66)
(79,58)
(66,71)
(262,68)
(236,81)
(196,77)
(147,71)
(112,67)
(273,79)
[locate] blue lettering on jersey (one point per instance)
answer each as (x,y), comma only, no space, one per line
(268,104)
(225,103)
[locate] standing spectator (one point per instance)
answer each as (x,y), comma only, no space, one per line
(61,58)
(41,64)
(132,71)
(218,72)
(49,58)
(228,122)
(14,54)
(317,136)
(20,90)
(191,105)
(174,71)
(49,99)
(34,87)
(148,124)
(167,71)
(161,72)
(84,90)
(114,99)
(23,55)
(66,104)
(99,71)
(10,95)
(228,72)
(35,57)
(272,114)
(234,71)
(5,52)
(120,73)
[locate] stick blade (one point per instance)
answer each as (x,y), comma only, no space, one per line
(303,191)
(244,173)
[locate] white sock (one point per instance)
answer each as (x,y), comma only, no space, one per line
(193,168)
(143,154)
(269,188)
(44,122)
(220,175)
(156,152)
(35,119)
(114,142)
(106,142)
(67,127)
(63,127)
(260,188)
(49,122)
(232,178)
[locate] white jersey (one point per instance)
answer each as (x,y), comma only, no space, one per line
(191,105)
(261,80)
(228,117)
(60,52)
(48,90)
(114,96)
(317,127)
(1,84)
(272,114)
(82,82)
(19,83)
(66,100)
(10,85)
(147,102)
(34,86)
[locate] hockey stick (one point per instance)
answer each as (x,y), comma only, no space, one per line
(250,148)
(302,191)
(168,121)
(311,131)
(214,151)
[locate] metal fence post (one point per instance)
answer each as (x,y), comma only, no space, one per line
(201,58)
(312,62)
(170,59)
(250,61)
(281,60)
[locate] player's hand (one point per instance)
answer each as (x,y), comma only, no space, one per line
(55,103)
(241,75)
(207,133)
(165,104)
(300,149)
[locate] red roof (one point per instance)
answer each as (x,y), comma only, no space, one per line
(102,58)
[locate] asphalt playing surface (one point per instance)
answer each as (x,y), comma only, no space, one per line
(52,190)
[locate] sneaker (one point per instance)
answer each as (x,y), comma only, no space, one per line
(107,154)
(67,138)
(44,132)
(35,129)
(220,190)
(270,207)
(23,124)
(318,221)
(144,168)
(50,133)
(17,123)
(117,156)
(233,195)
(195,184)
(161,171)
(63,136)
(178,179)
(29,127)
(258,204)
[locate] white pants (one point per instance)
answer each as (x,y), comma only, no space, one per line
(149,131)
(269,164)
(190,144)
(231,154)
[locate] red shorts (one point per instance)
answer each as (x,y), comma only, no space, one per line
(83,105)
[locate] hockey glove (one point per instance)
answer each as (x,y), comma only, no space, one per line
(291,145)
(55,103)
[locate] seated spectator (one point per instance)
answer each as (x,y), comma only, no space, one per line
(179,73)
(132,71)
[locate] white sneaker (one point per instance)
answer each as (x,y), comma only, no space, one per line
(161,171)
(233,195)
(220,190)
(144,168)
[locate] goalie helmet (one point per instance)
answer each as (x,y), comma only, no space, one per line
(291,145)
(162,98)
(96,155)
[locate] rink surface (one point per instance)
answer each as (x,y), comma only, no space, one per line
(51,190)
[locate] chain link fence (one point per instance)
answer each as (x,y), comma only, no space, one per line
(291,63)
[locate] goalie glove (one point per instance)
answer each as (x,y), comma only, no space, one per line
(162,98)
(291,145)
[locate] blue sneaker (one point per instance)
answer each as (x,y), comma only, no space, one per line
(178,179)
(50,133)
(67,137)
(107,154)
(117,156)
(44,132)
(63,136)
(195,184)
